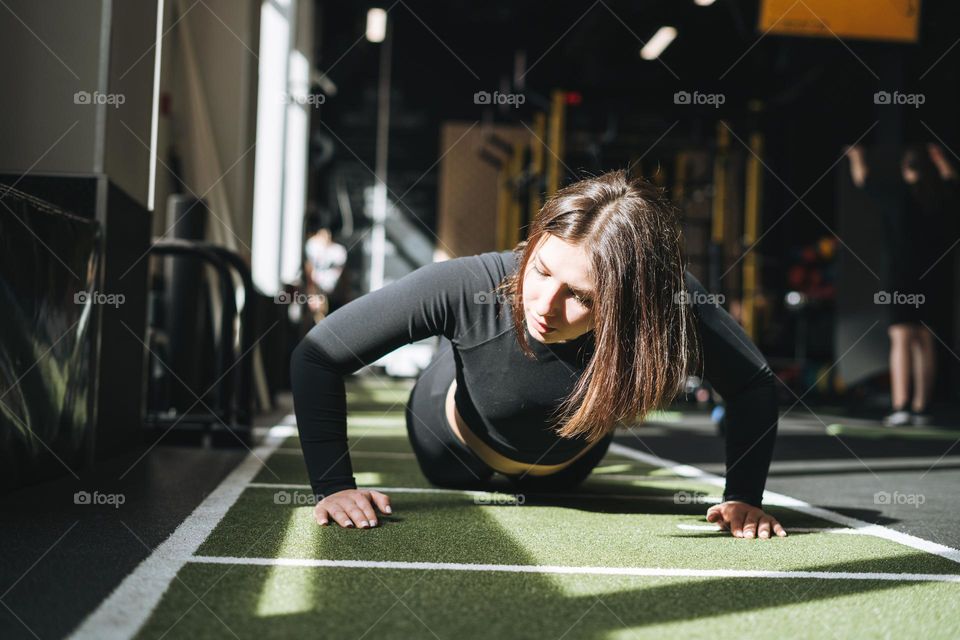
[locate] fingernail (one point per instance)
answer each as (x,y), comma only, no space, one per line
(364,523)
(349,524)
(749,534)
(323,522)
(388,509)
(373,523)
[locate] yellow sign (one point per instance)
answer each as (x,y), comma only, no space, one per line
(895,20)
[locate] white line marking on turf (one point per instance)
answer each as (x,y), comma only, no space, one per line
(771,498)
(639,478)
(126,609)
(471,492)
(786,467)
(536,568)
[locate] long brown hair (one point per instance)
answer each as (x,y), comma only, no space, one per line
(644,331)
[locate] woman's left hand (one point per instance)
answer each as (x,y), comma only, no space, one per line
(744,520)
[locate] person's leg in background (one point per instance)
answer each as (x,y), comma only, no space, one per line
(566,479)
(443,459)
(901,337)
(924,373)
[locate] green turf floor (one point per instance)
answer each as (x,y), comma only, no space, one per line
(626,515)
(293,602)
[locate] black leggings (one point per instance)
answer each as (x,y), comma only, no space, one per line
(447,462)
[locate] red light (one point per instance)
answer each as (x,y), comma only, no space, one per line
(573,98)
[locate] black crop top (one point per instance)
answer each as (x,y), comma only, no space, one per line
(505,397)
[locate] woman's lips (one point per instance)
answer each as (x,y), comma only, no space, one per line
(542,327)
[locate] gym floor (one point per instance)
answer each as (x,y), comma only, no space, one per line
(221,543)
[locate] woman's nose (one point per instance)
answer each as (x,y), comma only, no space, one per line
(546,302)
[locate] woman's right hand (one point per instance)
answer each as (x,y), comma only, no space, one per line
(352,507)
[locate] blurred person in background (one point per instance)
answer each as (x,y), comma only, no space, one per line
(323,266)
(919,231)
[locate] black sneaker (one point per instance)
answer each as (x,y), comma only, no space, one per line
(920,418)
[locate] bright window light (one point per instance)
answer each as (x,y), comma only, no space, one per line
(285,591)
(295,168)
(268,172)
(376,25)
(155,111)
(703,3)
(660,41)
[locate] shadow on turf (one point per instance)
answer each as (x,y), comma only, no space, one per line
(646,499)
(598,495)
(706,535)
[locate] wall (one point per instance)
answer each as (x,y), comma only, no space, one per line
(224,36)
(57,48)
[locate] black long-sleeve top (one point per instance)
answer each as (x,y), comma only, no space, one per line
(505,397)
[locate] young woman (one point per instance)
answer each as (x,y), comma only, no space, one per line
(590,323)
(920,228)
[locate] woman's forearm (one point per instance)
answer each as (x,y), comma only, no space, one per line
(751,419)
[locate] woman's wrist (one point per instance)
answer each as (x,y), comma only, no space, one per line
(752,500)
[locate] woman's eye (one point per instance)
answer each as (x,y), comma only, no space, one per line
(586,302)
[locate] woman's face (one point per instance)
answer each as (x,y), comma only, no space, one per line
(558,291)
